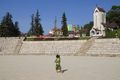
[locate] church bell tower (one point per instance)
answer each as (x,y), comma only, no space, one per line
(99,18)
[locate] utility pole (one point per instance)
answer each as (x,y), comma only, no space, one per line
(55,27)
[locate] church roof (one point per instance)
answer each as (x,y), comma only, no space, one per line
(100,9)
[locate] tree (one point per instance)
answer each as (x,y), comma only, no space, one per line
(64,25)
(113,15)
(32,29)
(16,29)
(7,28)
(110,33)
(36,27)
(87,28)
(113,22)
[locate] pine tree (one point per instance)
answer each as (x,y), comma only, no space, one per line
(16,29)
(32,29)
(7,28)
(64,25)
(36,27)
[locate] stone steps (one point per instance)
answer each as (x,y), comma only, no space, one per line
(105,46)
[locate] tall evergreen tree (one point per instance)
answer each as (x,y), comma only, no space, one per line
(36,27)
(32,29)
(16,29)
(7,28)
(64,25)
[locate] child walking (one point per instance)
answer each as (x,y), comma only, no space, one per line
(58,61)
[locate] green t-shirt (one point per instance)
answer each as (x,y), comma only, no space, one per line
(57,61)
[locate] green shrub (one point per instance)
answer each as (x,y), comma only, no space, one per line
(118,33)
(110,33)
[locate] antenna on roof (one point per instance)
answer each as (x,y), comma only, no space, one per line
(55,23)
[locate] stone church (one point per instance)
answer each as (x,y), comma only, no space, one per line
(99,17)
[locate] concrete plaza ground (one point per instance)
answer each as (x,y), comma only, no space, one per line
(36,67)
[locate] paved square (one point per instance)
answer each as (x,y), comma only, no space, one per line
(33,67)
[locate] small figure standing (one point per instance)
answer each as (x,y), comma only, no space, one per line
(58,61)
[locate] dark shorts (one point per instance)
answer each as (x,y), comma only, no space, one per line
(58,67)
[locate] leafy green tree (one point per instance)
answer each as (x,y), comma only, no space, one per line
(87,28)
(64,25)
(113,22)
(113,15)
(7,27)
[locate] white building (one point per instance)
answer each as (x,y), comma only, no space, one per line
(99,17)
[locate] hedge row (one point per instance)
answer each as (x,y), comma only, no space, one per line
(49,39)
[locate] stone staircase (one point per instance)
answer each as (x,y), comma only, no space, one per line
(85,47)
(105,47)
(18,46)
